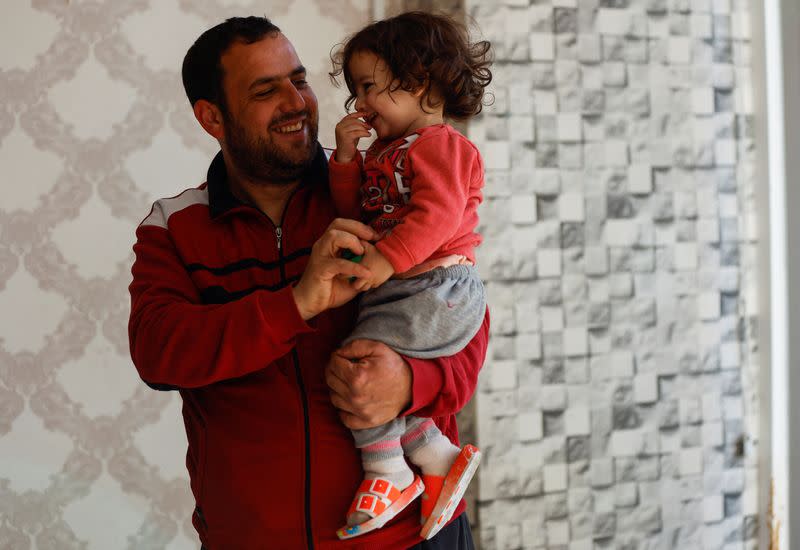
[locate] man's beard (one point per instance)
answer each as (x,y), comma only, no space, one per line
(259,159)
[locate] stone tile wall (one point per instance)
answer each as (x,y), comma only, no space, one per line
(618,406)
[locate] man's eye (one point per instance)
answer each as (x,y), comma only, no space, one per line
(302,83)
(265,93)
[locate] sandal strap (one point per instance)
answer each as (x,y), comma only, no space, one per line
(374,496)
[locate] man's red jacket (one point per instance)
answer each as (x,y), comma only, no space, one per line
(212,316)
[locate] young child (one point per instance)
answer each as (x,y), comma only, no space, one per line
(419,185)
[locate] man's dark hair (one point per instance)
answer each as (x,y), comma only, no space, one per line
(202,67)
(424,51)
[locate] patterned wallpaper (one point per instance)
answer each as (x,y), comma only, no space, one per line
(94,126)
(619,406)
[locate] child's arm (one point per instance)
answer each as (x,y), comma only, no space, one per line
(345,167)
(444,169)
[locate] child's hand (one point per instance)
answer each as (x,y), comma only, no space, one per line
(349,130)
(378,265)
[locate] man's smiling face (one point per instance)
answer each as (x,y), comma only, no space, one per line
(271,117)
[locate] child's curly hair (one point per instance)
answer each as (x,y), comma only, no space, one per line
(423,50)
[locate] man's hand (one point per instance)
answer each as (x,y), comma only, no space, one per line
(348,132)
(326,280)
(369,383)
(378,265)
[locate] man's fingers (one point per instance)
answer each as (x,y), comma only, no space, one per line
(359,348)
(354,227)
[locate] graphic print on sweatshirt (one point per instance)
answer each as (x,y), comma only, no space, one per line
(384,198)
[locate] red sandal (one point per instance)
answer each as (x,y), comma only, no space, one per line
(381,501)
(442,494)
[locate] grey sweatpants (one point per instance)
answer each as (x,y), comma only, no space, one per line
(434,314)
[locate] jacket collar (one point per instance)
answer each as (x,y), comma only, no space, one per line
(222,200)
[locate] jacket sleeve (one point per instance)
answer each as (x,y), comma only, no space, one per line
(176,341)
(442,168)
(443,386)
(345,183)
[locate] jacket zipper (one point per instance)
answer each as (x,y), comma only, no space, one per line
(301,387)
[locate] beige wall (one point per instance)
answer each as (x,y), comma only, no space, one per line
(94,126)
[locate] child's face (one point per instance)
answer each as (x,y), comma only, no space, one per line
(392,114)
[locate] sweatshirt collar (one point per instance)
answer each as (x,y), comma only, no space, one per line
(222,200)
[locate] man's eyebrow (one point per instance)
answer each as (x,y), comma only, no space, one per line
(270,79)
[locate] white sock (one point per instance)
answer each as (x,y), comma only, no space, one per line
(436,456)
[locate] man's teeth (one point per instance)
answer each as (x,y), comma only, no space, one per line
(290,128)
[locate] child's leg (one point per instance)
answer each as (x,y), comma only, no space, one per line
(427,447)
(382,457)
(446,471)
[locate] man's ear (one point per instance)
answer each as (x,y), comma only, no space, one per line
(210,118)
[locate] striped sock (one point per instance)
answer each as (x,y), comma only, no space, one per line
(427,447)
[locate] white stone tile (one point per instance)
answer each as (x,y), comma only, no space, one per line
(658,27)
(708,306)
(713,508)
(732,408)
(645,388)
(725,152)
(555,477)
(576,341)
(680,50)
(613,21)
(616,153)
(571,207)
(545,102)
(640,179)
(740,25)
(713,434)
(601,471)
(708,230)
(503,375)
(523,129)
(622,364)
(691,462)
(557,532)
(596,263)
(496,155)
(730,355)
(728,205)
(620,232)
(523,209)
(552,319)
(703,101)
(553,397)
(590,48)
(685,256)
(701,25)
(599,343)
(570,126)
(577,421)
(625,442)
(542,46)
(712,406)
(526,315)
(530,426)
(548,262)
(528,346)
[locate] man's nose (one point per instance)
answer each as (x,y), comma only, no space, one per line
(293,100)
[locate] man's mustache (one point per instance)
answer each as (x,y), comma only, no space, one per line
(289,116)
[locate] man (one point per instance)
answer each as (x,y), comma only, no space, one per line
(239,299)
